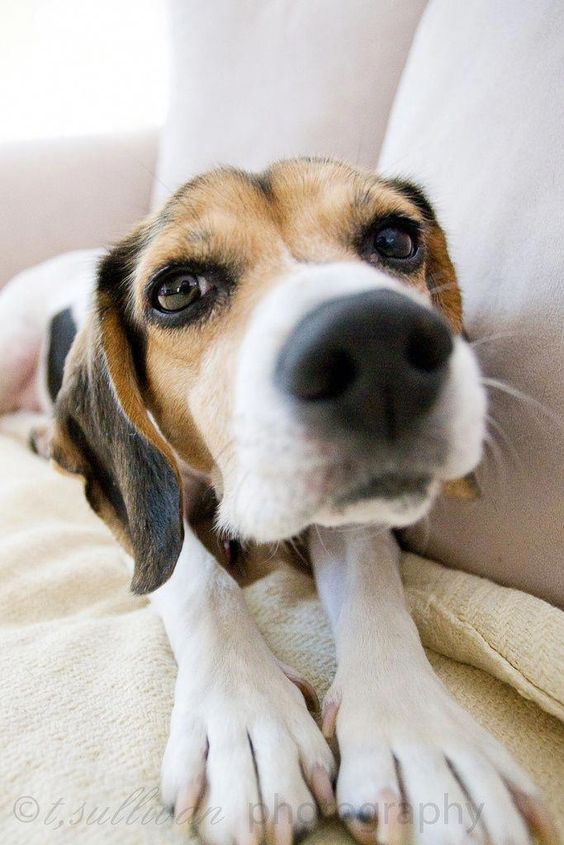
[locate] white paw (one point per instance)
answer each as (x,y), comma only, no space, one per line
(244,759)
(420,770)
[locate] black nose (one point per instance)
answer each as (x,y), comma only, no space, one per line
(372,362)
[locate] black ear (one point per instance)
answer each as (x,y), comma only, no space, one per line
(103,431)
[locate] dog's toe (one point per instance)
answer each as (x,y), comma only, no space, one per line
(247,768)
(183,771)
(228,812)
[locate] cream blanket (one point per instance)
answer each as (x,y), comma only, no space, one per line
(87,675)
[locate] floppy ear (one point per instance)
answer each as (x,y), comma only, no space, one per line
(103,431)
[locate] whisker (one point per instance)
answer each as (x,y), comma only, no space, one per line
(441,288)
(297,551)
(321,540)
(151,171)
(222,530)
(426,526)
(274,551)
(515,393)
(506,440)
(498,466)
(481,341)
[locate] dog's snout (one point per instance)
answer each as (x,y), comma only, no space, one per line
(372,362)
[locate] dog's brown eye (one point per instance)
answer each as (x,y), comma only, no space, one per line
(393,242)
(178,292)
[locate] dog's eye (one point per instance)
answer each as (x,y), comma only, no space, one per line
(178,292)
(394,242)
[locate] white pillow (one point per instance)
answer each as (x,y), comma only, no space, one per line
(253,81)
(479,121)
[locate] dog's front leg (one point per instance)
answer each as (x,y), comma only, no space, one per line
(414,765)
(242,743)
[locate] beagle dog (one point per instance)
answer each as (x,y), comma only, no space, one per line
(292,340)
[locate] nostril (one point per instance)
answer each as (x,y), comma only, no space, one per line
(429,344)
(324,374)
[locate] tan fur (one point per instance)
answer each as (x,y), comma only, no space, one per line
(121,369)
(310,214)
(298,211)
(442,277)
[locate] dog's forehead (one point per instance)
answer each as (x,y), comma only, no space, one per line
(295,205)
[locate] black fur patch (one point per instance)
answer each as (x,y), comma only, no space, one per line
(263,183)
(126,471)
(114,272)
(62,331)
(415,195)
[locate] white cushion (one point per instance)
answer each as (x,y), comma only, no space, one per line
(479,121)
(253,81)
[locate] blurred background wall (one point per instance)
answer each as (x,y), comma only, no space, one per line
(81,67)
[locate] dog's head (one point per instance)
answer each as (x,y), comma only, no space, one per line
(296,337)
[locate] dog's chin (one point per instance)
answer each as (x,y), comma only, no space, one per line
(388,501)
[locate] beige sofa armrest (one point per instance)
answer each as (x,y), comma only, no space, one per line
(65,194)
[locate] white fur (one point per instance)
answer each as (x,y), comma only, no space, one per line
(392,705)
(238,724)
(282,474)
(27,305)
